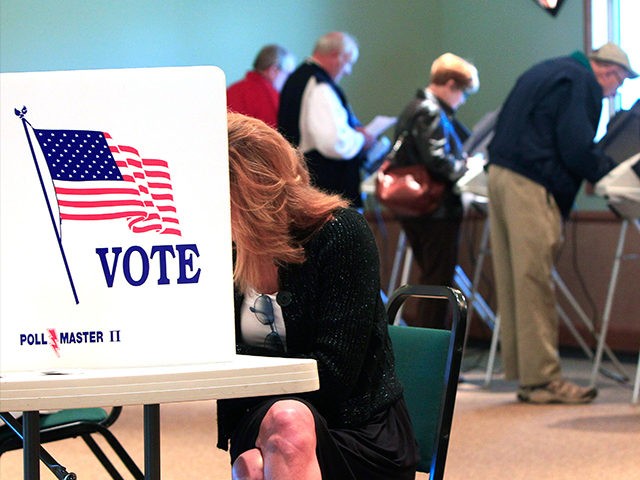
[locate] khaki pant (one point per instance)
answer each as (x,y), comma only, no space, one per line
(526,233)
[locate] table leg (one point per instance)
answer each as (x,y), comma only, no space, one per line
(152,442)
(31,444)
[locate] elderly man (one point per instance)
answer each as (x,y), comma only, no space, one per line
(315,116)
(258,93)
(540,154)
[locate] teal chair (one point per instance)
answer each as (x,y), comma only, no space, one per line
(428,365)
(71,423)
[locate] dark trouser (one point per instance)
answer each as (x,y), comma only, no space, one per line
(435,248)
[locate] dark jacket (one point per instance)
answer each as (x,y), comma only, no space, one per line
(435,140)
(333,313)
(546,127)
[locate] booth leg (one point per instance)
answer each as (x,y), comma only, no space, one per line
(636,385)
(31,444)
(152,442)
(609,302)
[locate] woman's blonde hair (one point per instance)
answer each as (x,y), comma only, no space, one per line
(274,208)
(449,66)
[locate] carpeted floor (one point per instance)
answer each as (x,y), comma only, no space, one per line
(493,436)
(496,437)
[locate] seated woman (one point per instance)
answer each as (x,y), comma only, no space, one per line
(307,285)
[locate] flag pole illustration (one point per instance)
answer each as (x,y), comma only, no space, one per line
(96,179)
(21,113)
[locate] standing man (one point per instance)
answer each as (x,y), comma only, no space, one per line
(541,152)
(258,93)
(315,116)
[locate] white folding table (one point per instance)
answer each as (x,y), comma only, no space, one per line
(244,376)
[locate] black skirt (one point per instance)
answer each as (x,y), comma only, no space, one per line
(382,449)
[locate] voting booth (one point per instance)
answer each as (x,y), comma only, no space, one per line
(115,241)
(621,188)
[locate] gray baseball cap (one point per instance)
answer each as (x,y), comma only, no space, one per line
(612,53)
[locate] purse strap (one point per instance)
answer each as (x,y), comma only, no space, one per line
(450,131)
(406,132)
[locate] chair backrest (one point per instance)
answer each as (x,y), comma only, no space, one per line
(56,425)
(428,365)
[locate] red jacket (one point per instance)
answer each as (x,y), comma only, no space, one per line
(254,96)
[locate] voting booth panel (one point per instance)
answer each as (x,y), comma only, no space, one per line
(621,187)
(115,237)
(622,140)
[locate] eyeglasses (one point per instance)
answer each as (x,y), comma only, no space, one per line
(263,309)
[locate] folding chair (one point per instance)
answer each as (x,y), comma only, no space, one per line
(428,365)
(71,423)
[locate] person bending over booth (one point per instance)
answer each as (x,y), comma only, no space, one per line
(316,117)
(307,285)
(434,139)
(541,152)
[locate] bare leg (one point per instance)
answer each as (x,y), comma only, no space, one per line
(287,440)
(248,466)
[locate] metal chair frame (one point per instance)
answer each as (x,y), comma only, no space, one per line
(435,465)
(70,424)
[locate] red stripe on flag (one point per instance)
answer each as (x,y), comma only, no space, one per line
(101,203)
(95,191)
(102,216)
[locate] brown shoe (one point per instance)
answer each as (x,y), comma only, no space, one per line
(557,391)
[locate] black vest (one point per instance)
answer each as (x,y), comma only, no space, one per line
(333,175)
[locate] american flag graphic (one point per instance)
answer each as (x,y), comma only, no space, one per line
(97,179)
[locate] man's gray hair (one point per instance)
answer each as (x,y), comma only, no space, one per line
(332,42)
(269,56)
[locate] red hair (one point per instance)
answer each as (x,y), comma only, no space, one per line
(274,208)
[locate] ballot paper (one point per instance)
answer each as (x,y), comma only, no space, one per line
(379,124)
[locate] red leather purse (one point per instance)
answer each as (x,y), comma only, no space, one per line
(407,191)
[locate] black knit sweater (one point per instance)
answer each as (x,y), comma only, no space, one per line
(333,313)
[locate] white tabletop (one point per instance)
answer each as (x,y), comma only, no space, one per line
(244,376)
